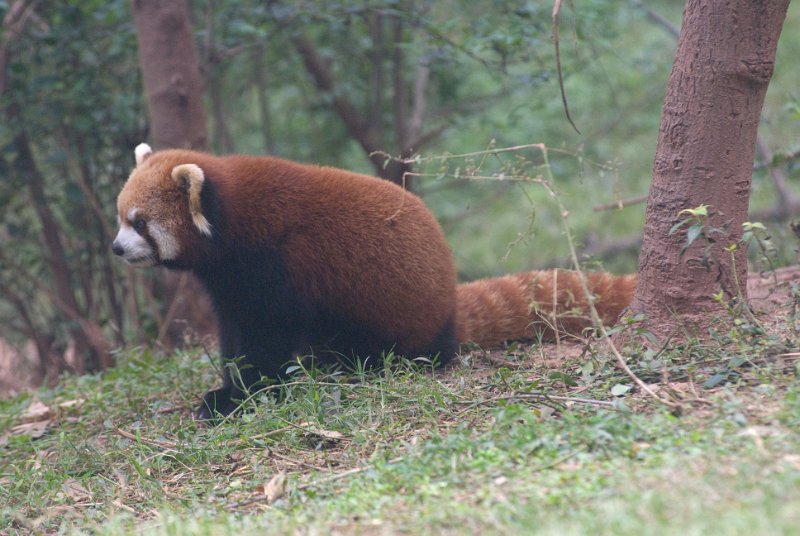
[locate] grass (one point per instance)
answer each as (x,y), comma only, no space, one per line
(538,445)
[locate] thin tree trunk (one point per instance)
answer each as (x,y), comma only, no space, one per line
(365,130)
(400,97)
(88,337)
(172,82)
(221,135)
(376,74)
(704,155)
(49,365)
(170,72)
(357,126)
(360,129)
(261,80)
(787,202)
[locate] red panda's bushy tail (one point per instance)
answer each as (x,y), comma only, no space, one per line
(521,306)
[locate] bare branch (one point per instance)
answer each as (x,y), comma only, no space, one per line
(376,75)
(418,104)
(357,126)
(657,18)
(786,199)
(620,203)
(90,332)
(400,99)
(14,21)
(556,10)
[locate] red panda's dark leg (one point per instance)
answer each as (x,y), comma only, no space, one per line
(238,378)
(445,345)
(248,356)
(220,401)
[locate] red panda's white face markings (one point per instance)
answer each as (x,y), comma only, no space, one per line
(131,242)
(160,210)
(144,242)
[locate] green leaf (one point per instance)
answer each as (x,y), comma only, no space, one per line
(736,362)
(678,226)
(693,232)
(752,225)
(715,380)
(560,376)
(698,212)
(620,389)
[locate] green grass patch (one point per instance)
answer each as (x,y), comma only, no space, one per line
(538,446)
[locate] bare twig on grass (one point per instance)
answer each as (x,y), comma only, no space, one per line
(343,474)
(534,396)
(498,361)
(559,461)
(166,445)
(295,462)
(312,484)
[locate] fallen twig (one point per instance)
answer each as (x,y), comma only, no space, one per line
(299,463)
(167,445)
(307,485)
(533,396)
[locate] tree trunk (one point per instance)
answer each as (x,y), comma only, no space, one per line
(171,74)
(706,142)
(173,86)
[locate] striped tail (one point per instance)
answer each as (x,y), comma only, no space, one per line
(529,305)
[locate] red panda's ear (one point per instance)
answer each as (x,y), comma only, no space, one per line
(142,152)
(190,179)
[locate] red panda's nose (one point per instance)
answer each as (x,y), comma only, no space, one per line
(117,249)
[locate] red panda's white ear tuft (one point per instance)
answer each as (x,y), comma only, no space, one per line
(142,151)
(190,178)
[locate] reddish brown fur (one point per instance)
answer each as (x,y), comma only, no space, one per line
(528,305)
(397,275)
(406,258)
(303,257)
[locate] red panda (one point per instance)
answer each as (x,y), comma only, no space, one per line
(300,258)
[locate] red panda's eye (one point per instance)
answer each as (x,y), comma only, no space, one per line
(139,225)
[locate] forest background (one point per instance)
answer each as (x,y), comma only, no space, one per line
(443,83)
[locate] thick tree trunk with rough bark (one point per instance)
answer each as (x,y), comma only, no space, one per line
(704,155)
(174,90)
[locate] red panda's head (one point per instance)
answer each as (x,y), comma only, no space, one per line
(160,214)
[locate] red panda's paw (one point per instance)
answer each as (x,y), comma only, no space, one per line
(215,405)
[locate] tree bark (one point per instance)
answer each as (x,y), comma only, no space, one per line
(787,203)
(170,72)
(704,155)
(173,86)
